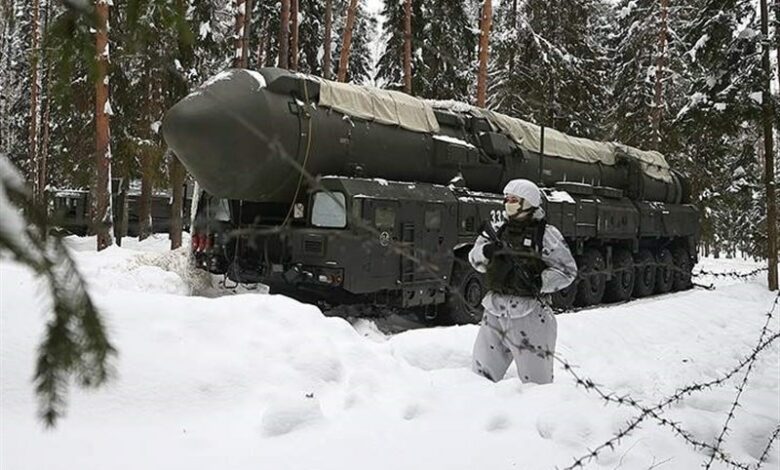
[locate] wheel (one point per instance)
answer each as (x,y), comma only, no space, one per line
(590,289)
(644,273)
(564,298)
(464,301)
(682,269)
(620,287)
(664,273)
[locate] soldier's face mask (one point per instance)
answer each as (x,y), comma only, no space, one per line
(517,207)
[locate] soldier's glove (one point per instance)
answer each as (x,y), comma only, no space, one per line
(529,283)
(489,249)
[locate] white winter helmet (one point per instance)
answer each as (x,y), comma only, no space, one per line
(525,189)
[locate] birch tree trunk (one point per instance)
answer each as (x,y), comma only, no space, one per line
(102,201)
(769,154)
(408,46)
(486,21)
(347,43)
(284,35)
(33,132)
(328,39)
(294,33)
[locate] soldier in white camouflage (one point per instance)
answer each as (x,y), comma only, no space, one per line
(524,260)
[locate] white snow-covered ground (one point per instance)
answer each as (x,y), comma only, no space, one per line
(256,381)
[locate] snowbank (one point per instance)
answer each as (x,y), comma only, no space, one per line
(262,381)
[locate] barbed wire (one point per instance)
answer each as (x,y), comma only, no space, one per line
(742,385)
(732,274)
(655,412)
(765,453)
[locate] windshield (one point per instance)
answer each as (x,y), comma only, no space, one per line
(329,210)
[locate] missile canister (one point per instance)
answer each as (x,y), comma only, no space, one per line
(260,135)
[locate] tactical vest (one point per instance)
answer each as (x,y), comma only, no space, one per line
(516,269)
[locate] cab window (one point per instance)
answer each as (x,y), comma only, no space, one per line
(384,218)
(329,210)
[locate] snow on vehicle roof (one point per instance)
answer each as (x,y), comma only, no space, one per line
(452,140)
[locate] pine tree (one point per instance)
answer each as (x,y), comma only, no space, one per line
(549,64)
(102,217)
(294,30)
(769,156)
(346,42)
(15,21)
(359,65)
(390,71)
(447,51)
(719,120)
(327,40)
(311,37)
(634,54)
(485,24)
(284,35)
(35,118)
(408,46)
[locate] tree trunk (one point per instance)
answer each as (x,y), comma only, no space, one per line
(408,46)
(247,28)
(147,161)
(484,42)
(513,51)
(238,34)
(145,200)
(33,132)
(660,63)
(328,39)
(177,175)
(284,35)
(176,171)
(769,155)
(294,33)
(102,201)
(43,151)
(120,229)
(347,43)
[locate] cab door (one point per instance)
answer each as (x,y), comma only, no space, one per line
(380,259)
(431,241)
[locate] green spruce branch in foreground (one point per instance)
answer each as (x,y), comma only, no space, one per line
(75,345)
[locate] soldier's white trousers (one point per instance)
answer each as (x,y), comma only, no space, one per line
(529,340)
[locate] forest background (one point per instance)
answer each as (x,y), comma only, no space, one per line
(683,77)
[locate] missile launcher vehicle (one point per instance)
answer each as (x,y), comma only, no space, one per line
(345,194)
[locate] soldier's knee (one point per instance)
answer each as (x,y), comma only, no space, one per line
(477,367)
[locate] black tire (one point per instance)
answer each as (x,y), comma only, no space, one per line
(564,298)
(644,273)
(464,300)
(590,289)
(682,269)
(664,273)
(621,286)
